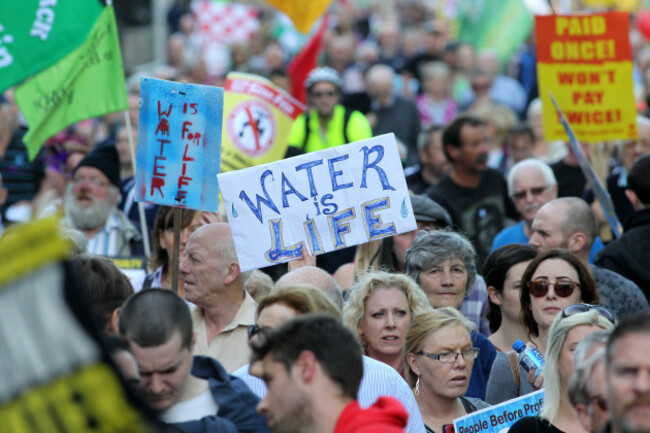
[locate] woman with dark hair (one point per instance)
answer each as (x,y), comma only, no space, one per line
(502,272)
(160,261)
(551,282)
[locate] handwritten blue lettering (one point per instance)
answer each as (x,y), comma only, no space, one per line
(380,172)
(257,210)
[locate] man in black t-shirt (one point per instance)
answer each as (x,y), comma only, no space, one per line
(475,196)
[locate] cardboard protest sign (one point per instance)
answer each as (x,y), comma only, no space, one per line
(586,61)
(258,121)
(326,200)
(55,374)
(499,418)
(179,144)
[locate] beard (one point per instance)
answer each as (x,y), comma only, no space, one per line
(91,216)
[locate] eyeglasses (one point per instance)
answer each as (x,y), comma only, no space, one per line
(583,308)
(563,289)
(329,94)
(253,330)
(93,181)
(519,195)
(448,357)
(600,402)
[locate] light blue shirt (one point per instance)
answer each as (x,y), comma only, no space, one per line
(378,379)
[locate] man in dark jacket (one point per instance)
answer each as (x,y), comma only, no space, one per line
(630,255)
(196,394)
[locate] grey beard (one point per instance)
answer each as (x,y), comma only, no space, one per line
(86,218)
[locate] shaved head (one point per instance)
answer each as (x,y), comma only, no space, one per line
(312,276)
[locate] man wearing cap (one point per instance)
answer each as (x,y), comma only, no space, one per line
(327,123)
(91,206)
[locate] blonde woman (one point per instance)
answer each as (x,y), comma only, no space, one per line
(379,311)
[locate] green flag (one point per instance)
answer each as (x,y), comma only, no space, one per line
(500,26)
(86,83)
(34,34)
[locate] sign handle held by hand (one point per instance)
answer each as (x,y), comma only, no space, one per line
(599,190)
(178,220)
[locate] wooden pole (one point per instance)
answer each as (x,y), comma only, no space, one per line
(178,219)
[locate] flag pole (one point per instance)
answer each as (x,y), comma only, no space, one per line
(143,221)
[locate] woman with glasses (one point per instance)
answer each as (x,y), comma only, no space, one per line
(502,272)
(160,261)
(554,280)
(573,324)
(379,311)
(440,356)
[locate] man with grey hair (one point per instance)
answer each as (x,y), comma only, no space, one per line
(390,112)
(587,383)
(569,223)
(433,162)
(443,263)
(215,284)
(90,205)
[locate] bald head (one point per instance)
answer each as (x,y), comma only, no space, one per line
(312,276)
(380,83)
(219,238)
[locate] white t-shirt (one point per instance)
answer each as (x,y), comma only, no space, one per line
(192,409)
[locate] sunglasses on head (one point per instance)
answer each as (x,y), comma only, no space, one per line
(583,308)
(564,288)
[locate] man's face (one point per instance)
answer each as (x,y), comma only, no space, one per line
(285,405)
(433,158)
(202,268)
(164,371)
(324,96)
(473,152)
(547,229)
(445,284)
(531,193)
(381,90)
(90,198)
(628,378)
(632,150)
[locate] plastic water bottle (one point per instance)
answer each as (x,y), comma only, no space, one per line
(529,357)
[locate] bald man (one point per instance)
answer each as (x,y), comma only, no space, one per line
(215,284)
(313,276)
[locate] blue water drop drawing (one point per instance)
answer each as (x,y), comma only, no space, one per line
(234,212)
(404,210)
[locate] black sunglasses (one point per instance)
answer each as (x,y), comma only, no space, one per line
(583,308)
(330,93)
(533,191)
(564,288)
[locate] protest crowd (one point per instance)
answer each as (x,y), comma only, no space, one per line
(408,332)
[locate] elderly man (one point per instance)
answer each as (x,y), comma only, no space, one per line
(443,263)
(476,196)
(91,206)
(630,254)
(433,162)
(569,223)
(193,393)
(312,368)
(390,112)
(531,184)
(628,375)
(215,284)
(587,384)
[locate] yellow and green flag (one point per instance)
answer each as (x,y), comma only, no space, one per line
(86,83)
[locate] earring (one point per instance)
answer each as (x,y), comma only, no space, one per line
(417,386)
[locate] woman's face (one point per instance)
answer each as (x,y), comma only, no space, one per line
(573,337)
(446,380)
(508,301)
(386,319)
(546,308)
(167,236)
(445,284)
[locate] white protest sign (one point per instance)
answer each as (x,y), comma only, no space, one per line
(499,418)
(326,200)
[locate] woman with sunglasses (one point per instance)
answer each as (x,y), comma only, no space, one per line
(554,280)
(573,324)
(439,357)
(502,272)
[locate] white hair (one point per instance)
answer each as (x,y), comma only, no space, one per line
(547,172)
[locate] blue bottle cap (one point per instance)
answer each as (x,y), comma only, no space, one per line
(519,345)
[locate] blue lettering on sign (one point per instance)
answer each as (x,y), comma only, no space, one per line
(315,243)
(290,190)
(257,210)
(278,251)
(380,172)
(334,174)
(340,226)
(326,206)
(310,176)
(374,227)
